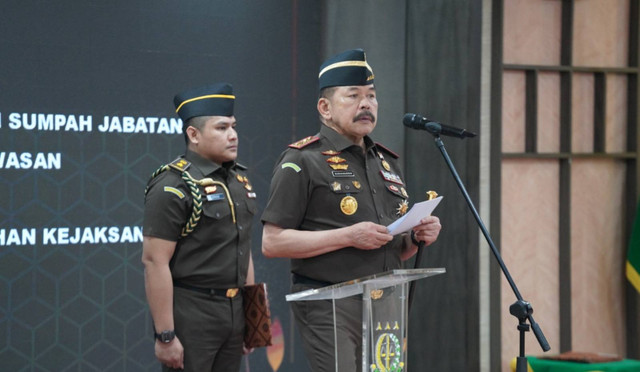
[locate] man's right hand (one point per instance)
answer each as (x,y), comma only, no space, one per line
(170,354)
(368,235)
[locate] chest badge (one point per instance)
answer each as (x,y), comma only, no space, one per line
(330,152)
(348,205)
(404,193)
(339,166)
(391,177)
(356,184)
(336,186)
(402,209)
(385,164)
(210,189)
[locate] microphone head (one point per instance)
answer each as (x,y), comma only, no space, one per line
(409,120)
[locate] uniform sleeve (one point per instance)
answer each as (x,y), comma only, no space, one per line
(167,207)
(289,191)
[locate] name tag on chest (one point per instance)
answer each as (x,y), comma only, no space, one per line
(214,197)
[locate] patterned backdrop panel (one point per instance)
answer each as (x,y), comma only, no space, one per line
(86,115)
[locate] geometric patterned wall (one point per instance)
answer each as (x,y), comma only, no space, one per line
(71,278)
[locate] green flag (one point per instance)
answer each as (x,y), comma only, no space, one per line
(633,256)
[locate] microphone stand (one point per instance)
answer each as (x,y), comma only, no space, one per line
(412,285)
(520,309)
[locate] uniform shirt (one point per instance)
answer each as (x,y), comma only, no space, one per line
(307,193)
(216,253)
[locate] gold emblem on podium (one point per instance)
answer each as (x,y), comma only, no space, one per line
(376,294)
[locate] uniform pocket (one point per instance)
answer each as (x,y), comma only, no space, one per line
(216,209)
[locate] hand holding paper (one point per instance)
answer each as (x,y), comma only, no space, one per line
(412,218)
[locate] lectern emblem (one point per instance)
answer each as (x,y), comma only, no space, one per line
(388,354)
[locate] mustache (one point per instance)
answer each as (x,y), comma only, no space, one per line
(363,114)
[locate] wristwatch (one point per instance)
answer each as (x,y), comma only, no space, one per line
(165,336)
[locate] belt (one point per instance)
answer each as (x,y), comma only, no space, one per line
(301,279)
(230,292)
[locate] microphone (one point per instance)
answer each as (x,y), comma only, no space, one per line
(416,121)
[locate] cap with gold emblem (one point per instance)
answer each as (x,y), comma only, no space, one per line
(344,69)
(210,100)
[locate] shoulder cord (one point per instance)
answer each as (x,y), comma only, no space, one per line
(196,211)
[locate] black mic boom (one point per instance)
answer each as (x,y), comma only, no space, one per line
(416,121)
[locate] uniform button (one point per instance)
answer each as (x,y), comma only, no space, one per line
(218,214)
(374,191)
(239,227)
(240,253)
(237,204)
(381,215)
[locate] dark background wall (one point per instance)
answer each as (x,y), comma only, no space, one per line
(81,307)
(443,83)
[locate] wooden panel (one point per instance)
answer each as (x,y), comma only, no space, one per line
(582,113)
(513,110)
(532,32)
(548,112)
(601,35)
(616,113)
(529,248)
(597,256)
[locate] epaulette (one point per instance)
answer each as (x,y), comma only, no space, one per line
(180,164)
(387,150)
(304,142)
(241,167)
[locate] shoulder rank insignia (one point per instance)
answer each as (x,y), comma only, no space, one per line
(387,150)
(304,142)
(180,164)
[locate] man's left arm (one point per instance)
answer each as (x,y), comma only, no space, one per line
(427,231)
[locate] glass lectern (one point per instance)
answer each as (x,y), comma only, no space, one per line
(384,314)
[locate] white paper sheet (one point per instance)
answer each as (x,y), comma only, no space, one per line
(412,218)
